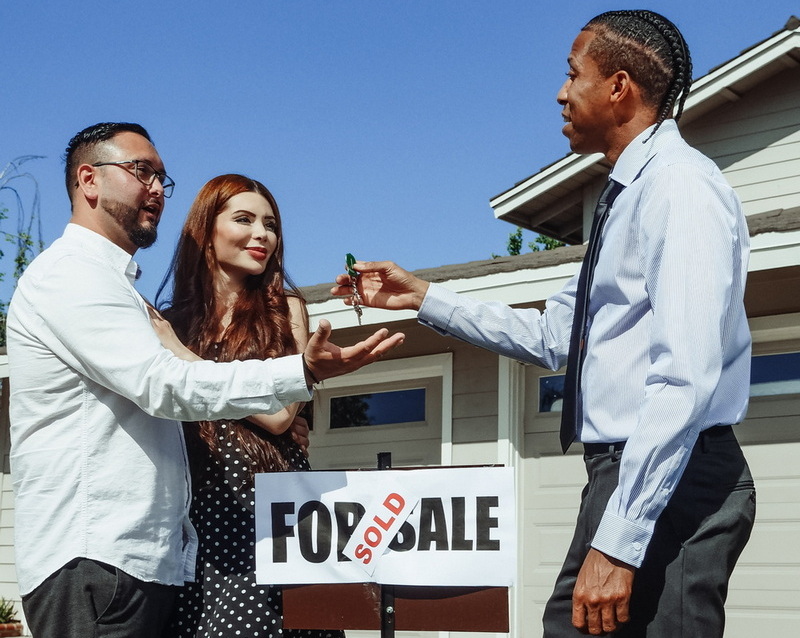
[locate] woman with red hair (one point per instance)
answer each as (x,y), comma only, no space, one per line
(231,299)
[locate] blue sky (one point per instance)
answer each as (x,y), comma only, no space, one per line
(382,128)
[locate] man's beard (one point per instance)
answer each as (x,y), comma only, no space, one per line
(128,218)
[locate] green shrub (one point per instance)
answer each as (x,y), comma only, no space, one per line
(8,612)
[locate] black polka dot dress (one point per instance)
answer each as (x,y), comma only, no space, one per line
(225,601)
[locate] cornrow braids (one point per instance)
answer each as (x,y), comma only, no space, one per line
(651,49)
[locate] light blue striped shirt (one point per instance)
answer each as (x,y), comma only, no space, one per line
(668,347)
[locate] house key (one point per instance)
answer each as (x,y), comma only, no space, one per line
(349,261)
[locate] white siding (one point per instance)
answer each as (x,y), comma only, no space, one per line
(756,142)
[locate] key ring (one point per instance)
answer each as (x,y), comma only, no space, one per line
(349,261)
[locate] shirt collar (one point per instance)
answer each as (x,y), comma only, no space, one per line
(641,150)
(102,248)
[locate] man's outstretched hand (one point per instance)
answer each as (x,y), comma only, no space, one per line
(383,284)
(324,359)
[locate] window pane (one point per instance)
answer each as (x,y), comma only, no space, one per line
(379,408)
(774,374)
(551,393)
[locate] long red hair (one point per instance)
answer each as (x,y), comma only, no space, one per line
(259,326)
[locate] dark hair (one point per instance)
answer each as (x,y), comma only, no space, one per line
(259,326)
(80,147)
(651,49)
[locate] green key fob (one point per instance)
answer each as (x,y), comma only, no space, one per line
(349,261)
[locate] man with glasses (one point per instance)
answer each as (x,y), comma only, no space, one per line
(102,534)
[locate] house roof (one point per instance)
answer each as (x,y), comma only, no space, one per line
(760,224)
(551,201)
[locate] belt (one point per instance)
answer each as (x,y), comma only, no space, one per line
(593,449)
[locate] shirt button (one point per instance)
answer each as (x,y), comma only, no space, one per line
(637,547)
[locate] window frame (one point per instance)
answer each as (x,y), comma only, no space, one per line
(775,394)
(432,372)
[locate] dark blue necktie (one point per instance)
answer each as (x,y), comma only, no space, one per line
(572,412)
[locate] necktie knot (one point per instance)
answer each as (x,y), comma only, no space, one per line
(607,196)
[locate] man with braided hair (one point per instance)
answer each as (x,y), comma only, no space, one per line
(662,348)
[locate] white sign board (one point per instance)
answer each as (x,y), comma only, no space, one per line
(438,527)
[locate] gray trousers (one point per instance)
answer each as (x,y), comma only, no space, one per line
(89,599)
(680,589)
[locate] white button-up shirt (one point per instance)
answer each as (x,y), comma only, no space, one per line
(668,346)
(98,465)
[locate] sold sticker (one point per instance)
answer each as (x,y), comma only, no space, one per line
(377,528)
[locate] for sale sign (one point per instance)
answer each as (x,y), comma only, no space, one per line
(442,526)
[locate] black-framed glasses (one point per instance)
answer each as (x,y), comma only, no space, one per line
(146,174)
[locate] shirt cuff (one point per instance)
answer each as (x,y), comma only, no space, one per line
(290,379)
(437,307)
(622,539)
